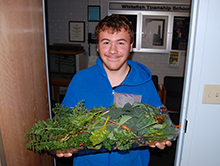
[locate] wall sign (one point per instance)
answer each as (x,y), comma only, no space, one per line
(154,30)
(149,7)
(180,33)
(93,13)
(174,58)
(77,31)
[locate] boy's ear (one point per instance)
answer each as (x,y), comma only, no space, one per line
(131,46)
(97,47)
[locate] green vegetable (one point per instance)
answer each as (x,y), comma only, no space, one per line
(97,127)
(99,135)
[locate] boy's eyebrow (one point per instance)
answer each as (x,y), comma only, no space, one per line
(105,39)
(117,40)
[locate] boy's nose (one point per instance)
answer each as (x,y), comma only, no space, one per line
(113,49)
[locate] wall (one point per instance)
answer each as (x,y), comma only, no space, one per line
(59,13)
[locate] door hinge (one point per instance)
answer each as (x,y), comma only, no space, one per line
(186,122)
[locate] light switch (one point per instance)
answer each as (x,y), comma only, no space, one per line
(211,94)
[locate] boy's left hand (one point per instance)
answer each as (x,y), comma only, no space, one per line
(161,144)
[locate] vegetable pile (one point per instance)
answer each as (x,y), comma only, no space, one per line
(111,128)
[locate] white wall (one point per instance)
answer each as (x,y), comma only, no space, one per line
(60,12)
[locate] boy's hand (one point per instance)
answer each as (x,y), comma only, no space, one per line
(66,153)
(161,144)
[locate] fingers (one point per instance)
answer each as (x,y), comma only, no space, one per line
(161,144)
(64,153)
(168,143)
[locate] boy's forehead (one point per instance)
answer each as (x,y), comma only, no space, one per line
(112,30)
(111,35)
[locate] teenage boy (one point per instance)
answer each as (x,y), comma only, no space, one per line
(113,75)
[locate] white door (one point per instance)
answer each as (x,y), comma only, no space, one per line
(200,145)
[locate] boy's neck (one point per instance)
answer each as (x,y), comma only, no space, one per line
(118,76)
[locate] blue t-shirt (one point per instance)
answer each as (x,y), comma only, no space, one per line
(93,87)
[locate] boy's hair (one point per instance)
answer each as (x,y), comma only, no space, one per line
(112,24)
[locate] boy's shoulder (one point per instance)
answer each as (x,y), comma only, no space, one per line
(85,73)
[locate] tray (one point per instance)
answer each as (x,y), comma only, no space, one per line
(107,129)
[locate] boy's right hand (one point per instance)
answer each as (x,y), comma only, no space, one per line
(66,153)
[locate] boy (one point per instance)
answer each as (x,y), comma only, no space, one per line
(114,79)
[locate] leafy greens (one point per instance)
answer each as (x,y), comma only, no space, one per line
(100,127)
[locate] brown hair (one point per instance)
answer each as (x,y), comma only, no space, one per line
(112,24)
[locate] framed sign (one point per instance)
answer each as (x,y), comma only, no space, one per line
(93,13)
(180,32)
(77,31)
(154,32)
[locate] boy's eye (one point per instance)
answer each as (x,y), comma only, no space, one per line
(121,43)
(106,43)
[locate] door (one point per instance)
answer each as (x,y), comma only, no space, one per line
(198,143)
(23,85)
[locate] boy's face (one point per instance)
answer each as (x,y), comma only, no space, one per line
(114,49)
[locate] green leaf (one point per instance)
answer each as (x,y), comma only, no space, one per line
(98,136)
(169,130)
(127,106)
(124,119)
(159,126)
(111,127)
(111,136)
(168,122)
